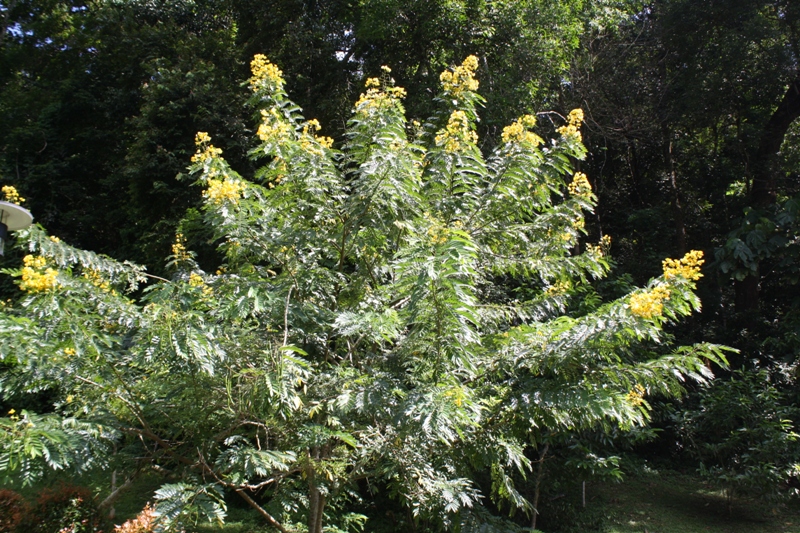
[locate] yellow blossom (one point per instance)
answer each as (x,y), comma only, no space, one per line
(55,239)
(649,304)
(378,96)
(580,185)
(559,287)
(69,352)
(33,280)
(273,126)
(573,126)
(687,267)
(461,78)
(458,134)
(96,279)
(179,248)
(518,132)
(209,152)
(602,248)
(635,396)
(12,195)
(201,138)
(265,74)
(220,191)
(196,280)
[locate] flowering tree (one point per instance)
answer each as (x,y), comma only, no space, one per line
(391,312)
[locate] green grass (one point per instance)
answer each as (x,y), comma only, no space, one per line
(674,503)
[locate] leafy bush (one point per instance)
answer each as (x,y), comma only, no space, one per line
(12,508)
(742,432)
(64,509)
(144,523)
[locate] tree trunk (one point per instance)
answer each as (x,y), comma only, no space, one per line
(765,177)
(765,181)
(537,484)
(316,498)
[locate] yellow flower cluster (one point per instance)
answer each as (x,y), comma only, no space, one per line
(205,152)
(376,98)
(201,138)
(273,126)
(518,132)
(649,304)
(96,279)
(309,129)
(687,267)
(12,195)
(461,78)
(573,126)
(559,287)
(457,134)
(33,280)
(179,248)
(580,185)
(437,234)
(196,280)
(635,396)
(600,249)
(220,191)
(264,73)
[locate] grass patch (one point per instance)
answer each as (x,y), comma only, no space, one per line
(673,503)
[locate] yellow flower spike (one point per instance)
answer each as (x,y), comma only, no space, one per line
(687,267)
(518,132)
(179,248)
(227,190)
(462,78)
(196,280)
(372,82)
(457,134)
(649,304)
(386,69)
(33,279)
(580,185)
(12,195)
(636,395)
(573,126)
(264,73)
(201,138)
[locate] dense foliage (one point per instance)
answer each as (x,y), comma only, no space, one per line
(690,137)
(393,312)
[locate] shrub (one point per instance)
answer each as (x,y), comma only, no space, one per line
(12,508)
(143,523)
(64,509)
(742,433)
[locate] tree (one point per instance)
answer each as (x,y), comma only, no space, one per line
(391,311)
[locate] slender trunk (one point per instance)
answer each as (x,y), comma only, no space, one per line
(537,483)
(316,498)
(677,208)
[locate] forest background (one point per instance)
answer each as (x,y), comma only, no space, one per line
(690,125)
